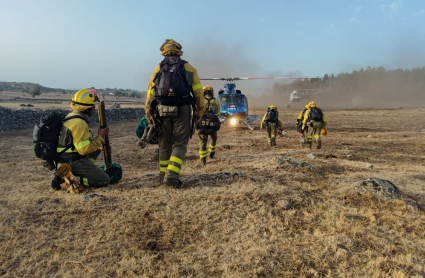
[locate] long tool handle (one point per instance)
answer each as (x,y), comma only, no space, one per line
(102,123)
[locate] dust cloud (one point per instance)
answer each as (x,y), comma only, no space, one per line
(365,88)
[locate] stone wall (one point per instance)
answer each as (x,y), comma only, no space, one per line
(26,118)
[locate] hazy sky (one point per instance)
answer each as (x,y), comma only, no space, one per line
(105,43)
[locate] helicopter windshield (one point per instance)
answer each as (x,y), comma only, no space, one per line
(232,99)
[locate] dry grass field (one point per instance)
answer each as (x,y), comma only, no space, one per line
(226,221)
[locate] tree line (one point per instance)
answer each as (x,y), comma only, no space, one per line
(364,82)
(34,89)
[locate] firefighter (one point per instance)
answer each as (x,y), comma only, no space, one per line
(84,151)
(315,120)
(174,130)
(271,122)
(303,132)
(212,106)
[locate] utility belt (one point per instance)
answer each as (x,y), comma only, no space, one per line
(209,121)
(168,111)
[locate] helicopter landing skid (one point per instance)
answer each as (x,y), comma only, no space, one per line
(245,123)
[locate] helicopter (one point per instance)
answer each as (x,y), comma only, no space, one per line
(297,96)
(234,104)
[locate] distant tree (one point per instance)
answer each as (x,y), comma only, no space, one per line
(118,93)
(35,91)
(103,94)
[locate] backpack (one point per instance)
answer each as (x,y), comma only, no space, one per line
(46,135)
(209,122)
(171,85)
(271,116)
(316,114)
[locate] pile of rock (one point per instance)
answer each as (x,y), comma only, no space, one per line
(26,118)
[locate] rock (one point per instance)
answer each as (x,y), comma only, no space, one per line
(291,162)
(374,185)
(369,165)
(346,144)
(227,147)
(285,204)
(239,174)
(341,252)
(86,197)
(369,136)
(30,105)
(349,156)
(115,105)
(313,156)
(412,205)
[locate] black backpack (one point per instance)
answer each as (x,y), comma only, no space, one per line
(271,116)
(316,114)
(171,85)
(46,135)
(209,122)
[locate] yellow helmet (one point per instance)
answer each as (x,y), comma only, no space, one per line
(83,99)
(170,46)
(272,107)
(208,88)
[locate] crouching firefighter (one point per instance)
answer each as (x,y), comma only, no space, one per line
(78,149)
(173,90)
(315,120)
(271,122)
(209,125)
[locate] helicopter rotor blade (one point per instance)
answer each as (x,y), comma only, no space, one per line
(278,77)
(251,78)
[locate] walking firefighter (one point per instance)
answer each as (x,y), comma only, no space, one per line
(271,122)
(315,121)
(174,95)
(209,125)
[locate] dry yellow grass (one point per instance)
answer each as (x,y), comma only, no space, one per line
(223,226)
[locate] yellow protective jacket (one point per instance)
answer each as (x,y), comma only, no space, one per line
(279,122)
(196,86)
(300,116)
(76,132)
(307,113)
(214,105)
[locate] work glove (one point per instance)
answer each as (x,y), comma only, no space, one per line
(303,127)
(72,184)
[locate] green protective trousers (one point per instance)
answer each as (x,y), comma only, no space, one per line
(271,132)
(314,129)
(203,140)
(88,173)
(172,142)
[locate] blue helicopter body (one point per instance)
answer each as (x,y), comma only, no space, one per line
(233,103)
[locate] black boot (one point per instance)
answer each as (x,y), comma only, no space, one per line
(212,155)
(161,177)
(319,144)
(176,183)
(56,182)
